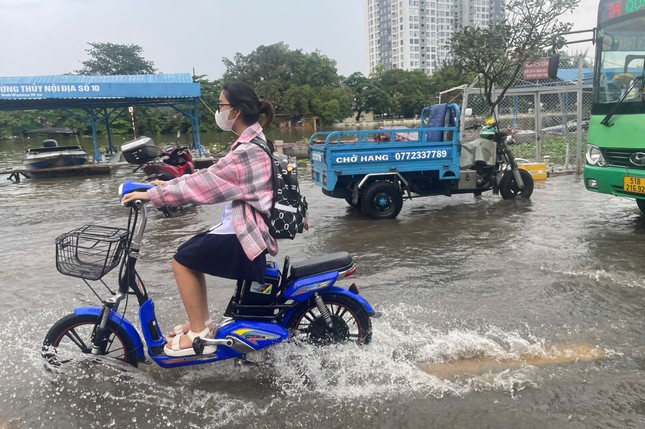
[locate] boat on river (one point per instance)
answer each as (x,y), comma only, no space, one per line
(50,154)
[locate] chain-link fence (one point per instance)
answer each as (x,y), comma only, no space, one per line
(543,114)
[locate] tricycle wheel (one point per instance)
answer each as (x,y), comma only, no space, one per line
(382,200)
(509,189)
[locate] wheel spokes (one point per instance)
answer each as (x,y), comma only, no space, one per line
(345,324)
(76,339)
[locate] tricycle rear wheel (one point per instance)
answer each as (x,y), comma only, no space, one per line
(382,200)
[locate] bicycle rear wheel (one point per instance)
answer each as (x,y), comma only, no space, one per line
(72,336)
(350,321)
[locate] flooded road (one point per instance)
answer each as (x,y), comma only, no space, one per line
(457,279)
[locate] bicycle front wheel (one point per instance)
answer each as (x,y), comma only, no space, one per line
(71,337)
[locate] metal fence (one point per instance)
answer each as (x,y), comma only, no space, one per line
(545,116)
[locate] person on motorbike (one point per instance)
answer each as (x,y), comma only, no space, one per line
(236,247)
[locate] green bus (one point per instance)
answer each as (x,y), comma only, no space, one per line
(615,157)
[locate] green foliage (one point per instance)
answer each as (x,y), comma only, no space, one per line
(332,104)
(13,123)
(209,99)
(450,77)
(109,59)
(296,102)
(497,53)
(296,83)
(368,95)
(408,91)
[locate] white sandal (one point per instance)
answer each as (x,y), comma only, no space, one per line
(179,329)
(176,351)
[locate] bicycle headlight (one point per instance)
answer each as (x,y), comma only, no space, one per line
(594,156)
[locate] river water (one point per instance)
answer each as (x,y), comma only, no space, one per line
(456,278)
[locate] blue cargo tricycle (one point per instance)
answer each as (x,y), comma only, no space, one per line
(375,170)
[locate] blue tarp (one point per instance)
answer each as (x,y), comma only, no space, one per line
(571,75)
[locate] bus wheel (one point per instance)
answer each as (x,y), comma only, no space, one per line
(641,205)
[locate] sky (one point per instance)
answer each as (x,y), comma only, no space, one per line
(50,37)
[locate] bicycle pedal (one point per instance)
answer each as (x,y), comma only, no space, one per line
(245,362)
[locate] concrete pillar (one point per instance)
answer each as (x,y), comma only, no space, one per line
(279,146)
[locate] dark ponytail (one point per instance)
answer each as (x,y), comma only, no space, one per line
(243,98)
(267,109)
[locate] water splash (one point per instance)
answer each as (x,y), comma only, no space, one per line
(390,365)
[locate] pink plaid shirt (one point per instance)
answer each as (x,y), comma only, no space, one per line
(243,176)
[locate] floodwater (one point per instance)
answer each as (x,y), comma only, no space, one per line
(457,279)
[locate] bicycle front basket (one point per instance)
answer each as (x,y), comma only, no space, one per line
(90,252)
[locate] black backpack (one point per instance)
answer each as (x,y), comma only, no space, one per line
(288,215)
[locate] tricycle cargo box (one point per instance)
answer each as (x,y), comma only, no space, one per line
(140,151)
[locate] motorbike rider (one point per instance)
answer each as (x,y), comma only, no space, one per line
(236,247)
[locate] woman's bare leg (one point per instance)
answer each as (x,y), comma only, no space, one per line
(193,292)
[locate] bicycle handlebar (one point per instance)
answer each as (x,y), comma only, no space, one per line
(130,186)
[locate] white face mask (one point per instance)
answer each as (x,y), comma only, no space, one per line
(223,121)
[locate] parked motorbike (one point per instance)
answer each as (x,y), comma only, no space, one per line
(173,161)
(496,168)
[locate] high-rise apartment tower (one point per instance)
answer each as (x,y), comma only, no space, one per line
(415,34)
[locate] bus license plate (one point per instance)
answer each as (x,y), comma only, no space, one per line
(634,184)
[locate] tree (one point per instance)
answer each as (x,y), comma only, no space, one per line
(292,80)
(408,91)
(107,59)
(209,98)
(368,95)
(448,77)
(296,101)
(497,53)
(110,59)
(332,104)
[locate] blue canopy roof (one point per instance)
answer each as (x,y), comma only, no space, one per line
(101,96)
(75,91)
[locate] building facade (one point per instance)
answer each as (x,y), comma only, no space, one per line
(415,34)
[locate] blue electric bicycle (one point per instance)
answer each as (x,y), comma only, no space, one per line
(301,300)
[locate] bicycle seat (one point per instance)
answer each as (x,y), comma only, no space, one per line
(339,261)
